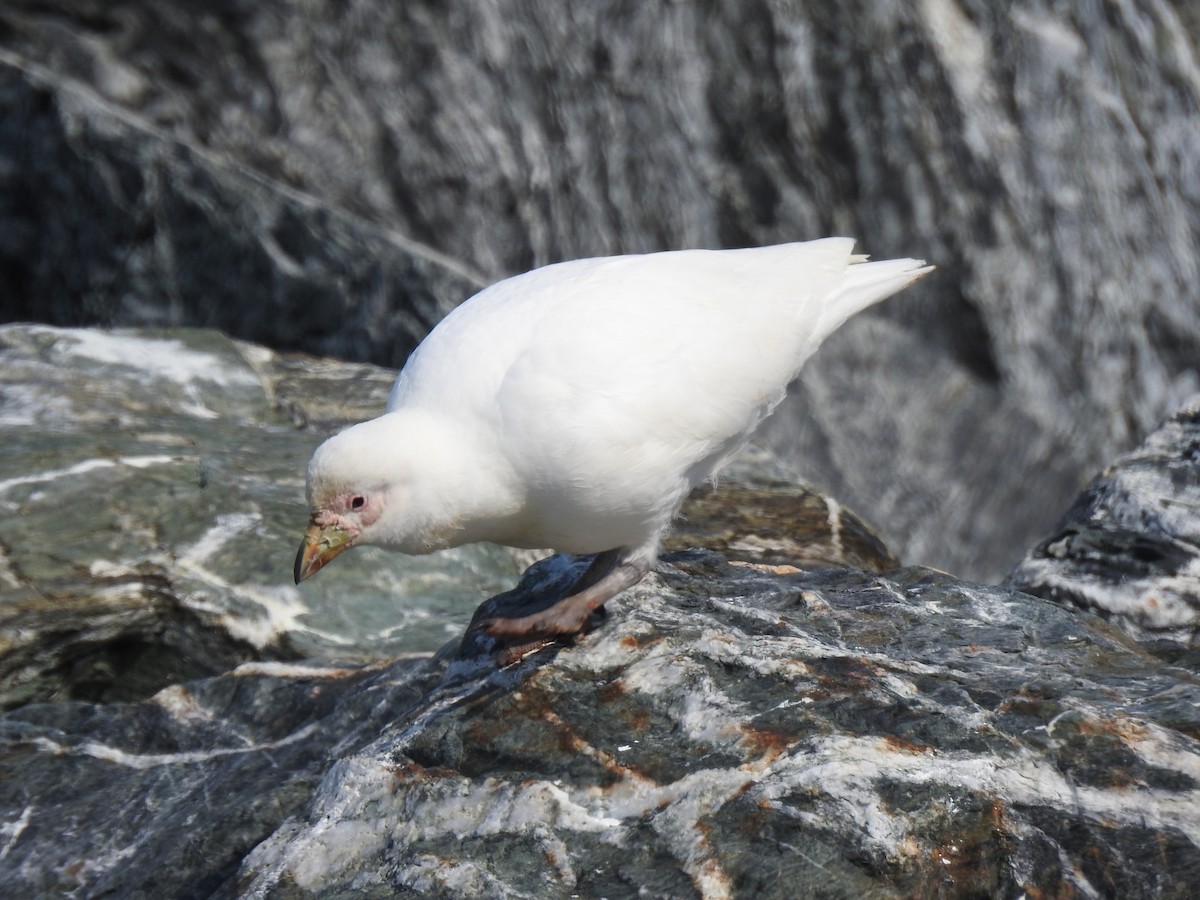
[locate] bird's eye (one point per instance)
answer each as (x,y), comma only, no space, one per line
(357,502)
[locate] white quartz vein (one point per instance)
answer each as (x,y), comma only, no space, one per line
(120,757)
(11,831)
(91,465)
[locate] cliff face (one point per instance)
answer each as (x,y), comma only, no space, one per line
(335,176)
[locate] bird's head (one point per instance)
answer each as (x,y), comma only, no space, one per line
(394,482)
(370,485)
(349,490)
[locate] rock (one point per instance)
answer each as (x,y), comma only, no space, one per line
(1129,547)
(318,179)
(728,731)
(758,512)
(110,638)
(152,490)
(733,726)
(186,783)
(168,233)
(331,178)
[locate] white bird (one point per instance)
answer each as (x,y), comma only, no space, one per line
(575,406)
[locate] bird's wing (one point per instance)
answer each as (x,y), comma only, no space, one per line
(667,357)
(591,368)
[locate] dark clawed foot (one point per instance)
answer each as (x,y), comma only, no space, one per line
(570,616)
(550,623)
(522,642)
(524,637)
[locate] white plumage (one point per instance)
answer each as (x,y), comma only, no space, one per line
(574,407)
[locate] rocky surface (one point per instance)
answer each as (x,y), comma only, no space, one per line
(739,732)
(728,731)
(1129,547)
(757,512)
(153,498)
(107,218)
(181,721)
(152,490)
(331,176)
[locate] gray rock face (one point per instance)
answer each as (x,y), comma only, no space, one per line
(1129,548)
(152,490)
(179,720)
(733,727)
(108,218)
(328,176)
(729,731)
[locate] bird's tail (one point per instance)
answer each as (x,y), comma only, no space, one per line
(865,284)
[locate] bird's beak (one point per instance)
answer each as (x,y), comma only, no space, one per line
(321,544)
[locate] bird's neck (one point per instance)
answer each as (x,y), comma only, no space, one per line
(466,491)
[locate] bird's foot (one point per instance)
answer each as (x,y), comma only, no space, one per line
(569,615)
(517,648)
(561,619)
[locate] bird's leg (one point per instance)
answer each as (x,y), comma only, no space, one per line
(598,568)
(606,577)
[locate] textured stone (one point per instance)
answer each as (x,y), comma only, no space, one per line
(733,726)
(333,177)
(329,176)
(1129,547)
(757,512)
(109,219)
(728,731)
